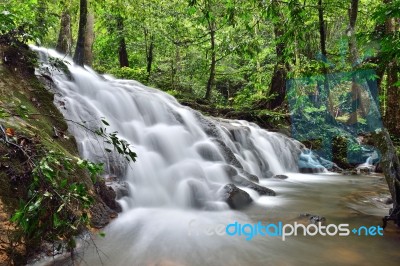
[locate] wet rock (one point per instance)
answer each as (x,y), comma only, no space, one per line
(101,214)
(365,170)
(281,176)
(121,188)
(314,219)
(317,219)
(242,181)
(235,197)
(267,174)
(230,170)
(311,170)
(388,201)
(228,155)
(115,164)
(354,172)
(105,207)
(378,168)
(385,200)
(208,126)
(252,178)
(208,152)
(108,195)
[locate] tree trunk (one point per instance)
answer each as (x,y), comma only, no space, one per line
(89,39)
(322,40)
(389,160)
(175,68)
(64,42)
(322,33)
(392,114)
(211,78)
(122,53)
(278,80)
(353,55)
(149,39)
(391,169)
(79,56)
(393,96)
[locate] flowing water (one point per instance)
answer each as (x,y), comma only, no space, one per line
(184,161)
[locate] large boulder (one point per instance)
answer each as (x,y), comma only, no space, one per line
(235,197)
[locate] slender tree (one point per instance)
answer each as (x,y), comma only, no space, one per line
(79,56)
(149,43)
(211,77)
(89,39)
(64,41)
(392,113)
(322,38)
(122,53)
(353,56)
(278,81)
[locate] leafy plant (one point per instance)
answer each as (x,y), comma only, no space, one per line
(120,145)
(57,207)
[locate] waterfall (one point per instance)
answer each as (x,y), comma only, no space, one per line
(184,161)
(184,158)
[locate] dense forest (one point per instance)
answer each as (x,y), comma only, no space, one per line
(326,73)
(231,53)
(238,55)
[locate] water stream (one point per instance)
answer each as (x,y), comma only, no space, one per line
(184,162)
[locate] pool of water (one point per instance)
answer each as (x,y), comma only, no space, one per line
(163,236)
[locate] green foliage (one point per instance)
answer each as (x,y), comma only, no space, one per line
(25,21)
(7,22)
(138,74)
(57,207)
(58,200)
(93,168)
(120,145)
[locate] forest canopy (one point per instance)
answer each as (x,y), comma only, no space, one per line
(232,53)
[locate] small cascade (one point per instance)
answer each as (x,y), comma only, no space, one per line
(369,165)
(184,158)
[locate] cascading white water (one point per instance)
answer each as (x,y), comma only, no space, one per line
(184,159)
(182,155)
